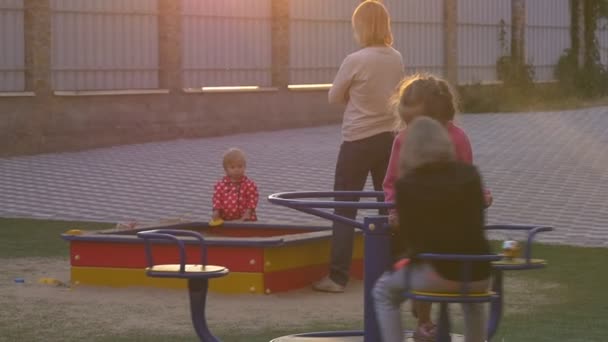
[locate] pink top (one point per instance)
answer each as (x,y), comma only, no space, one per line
(233,198)
(462,145)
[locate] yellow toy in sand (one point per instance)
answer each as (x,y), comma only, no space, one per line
(216,222)
(51,281)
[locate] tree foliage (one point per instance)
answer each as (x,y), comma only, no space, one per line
(590,78)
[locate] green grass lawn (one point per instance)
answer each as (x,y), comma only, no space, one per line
(542,97)
(574,309)
(34,238)
(579,308)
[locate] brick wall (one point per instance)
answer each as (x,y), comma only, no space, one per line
(30,125)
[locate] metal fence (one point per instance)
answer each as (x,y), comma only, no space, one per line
(113,44)
(109,44)
(547,35)
(226,42)
(418,32)
(321,36)
(12,46)
(484,35)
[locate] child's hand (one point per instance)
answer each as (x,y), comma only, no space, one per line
(393,220)
(216,215)
(487,196)
(246,215)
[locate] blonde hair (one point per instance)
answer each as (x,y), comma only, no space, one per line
(372,24)
(425,141)
(431,95)
(233,155)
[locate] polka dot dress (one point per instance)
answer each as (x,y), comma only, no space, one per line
(233,198)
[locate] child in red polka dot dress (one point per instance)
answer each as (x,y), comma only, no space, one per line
(236,196)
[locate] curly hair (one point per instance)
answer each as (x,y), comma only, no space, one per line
(426,95)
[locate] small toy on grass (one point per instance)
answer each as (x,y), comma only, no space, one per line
(51,281)
(510,249)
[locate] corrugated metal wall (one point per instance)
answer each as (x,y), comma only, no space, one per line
(547,35)
(226,42)
(321,36)
(12,46)
(109,44)
(479,47)
(418,32)
(113,44)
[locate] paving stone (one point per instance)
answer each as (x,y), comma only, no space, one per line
(542,168)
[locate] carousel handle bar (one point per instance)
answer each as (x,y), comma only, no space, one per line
(172,235)
(301,201)
(532,232)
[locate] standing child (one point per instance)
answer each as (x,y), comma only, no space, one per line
(440,203)
(425,95)
(236,196)
(364,83)
(422,95)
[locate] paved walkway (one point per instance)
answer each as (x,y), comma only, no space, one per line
(545,168)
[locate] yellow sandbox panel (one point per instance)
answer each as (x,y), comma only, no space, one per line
(233,283)
(302,255)
(358,248)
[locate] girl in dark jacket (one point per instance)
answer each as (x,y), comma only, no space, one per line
(440,203)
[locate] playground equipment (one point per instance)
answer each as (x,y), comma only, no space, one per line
(377,235)
(198,275)
(463,296)
(262,258)
(376,258)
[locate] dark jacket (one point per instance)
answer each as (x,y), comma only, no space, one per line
(441,210)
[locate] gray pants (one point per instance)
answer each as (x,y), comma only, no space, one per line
(388,297)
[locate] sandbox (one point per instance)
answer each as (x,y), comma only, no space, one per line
(262,258)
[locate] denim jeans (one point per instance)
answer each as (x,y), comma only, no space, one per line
(356,160)
(388,297)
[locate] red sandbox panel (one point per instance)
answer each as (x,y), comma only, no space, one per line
(301,277)
(132,255)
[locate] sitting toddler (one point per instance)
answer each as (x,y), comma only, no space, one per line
(236,196)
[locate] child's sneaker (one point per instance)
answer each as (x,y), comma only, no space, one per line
(425,332)
(327,285)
